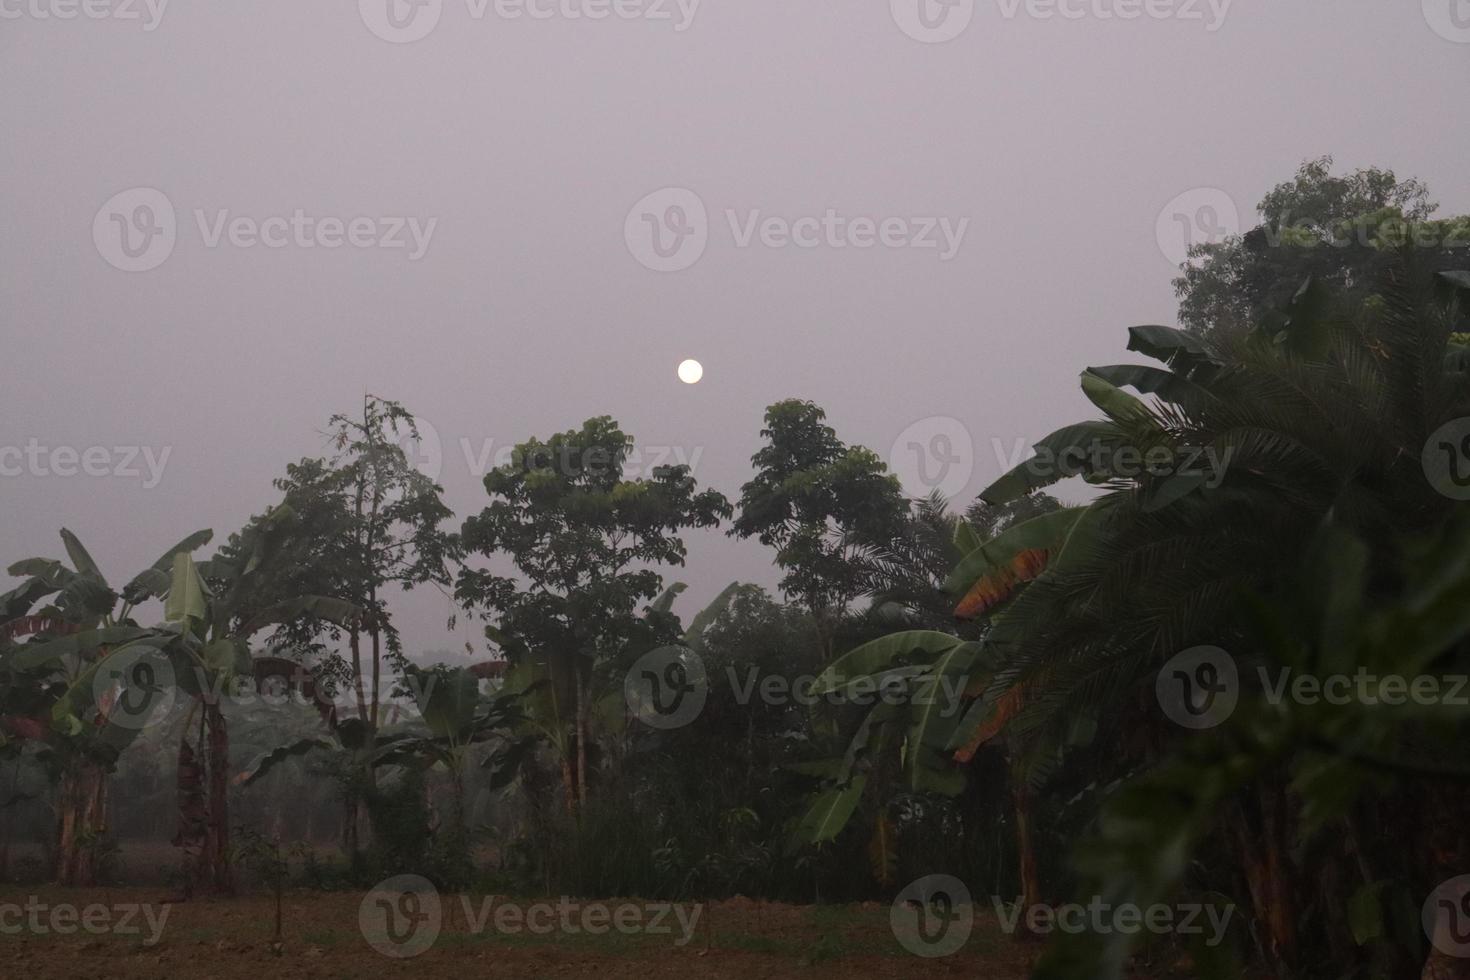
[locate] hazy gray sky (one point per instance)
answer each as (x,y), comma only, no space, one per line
(1048,141)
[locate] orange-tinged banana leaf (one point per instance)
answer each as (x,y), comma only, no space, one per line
(989,574)
(996,587)
(1000,715)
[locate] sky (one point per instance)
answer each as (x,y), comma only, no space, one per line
(225,222)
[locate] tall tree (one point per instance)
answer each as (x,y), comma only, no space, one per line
(362,525)
(586,542)
(820,503)
(1341,230)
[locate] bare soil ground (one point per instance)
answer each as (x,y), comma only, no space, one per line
(228,939)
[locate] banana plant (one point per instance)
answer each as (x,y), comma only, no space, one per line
(457,717)
(59,689)
(214,609)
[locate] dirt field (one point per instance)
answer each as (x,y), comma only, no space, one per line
(229,939)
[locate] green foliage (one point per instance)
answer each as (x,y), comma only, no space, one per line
(1341,230)
(817,501)
(585,538)
(1329,619)
(587,541)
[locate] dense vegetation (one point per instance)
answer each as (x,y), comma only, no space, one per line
(1279,483)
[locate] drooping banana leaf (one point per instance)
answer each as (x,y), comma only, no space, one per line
(665,600)
(84,644)
(1181,351)
(80,697)
(1115,403)
(19,600)
(262,764)
(867,739)
(1168,386)
(936,711)
(48,570)
(1045,532)
(694,635)
(1061,454)
(153,582)
(338,611)
(187,600)
(830,812)
(876,655)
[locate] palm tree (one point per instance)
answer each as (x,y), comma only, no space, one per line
(1215,478)
(1322,411)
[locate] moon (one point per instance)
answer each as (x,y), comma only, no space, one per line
(691,371)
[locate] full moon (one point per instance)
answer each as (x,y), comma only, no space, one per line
(691,371)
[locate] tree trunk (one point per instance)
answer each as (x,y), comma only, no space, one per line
(377,673)
(1262,848)
(82,806)
(354,643)
(582,726)
(358,815)
(350,842)
(1444,807)
(569,781)
(193,814)
(1025,846)
(456,775)
(1444,966)
(217,871)
(5,822)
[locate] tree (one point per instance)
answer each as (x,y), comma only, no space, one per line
(586,542)
(54,694)
(1344,231)
(906,575)
(1320,415)
(217,609)
(458,718)
(1367,778)
(361,525)
(819,503)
